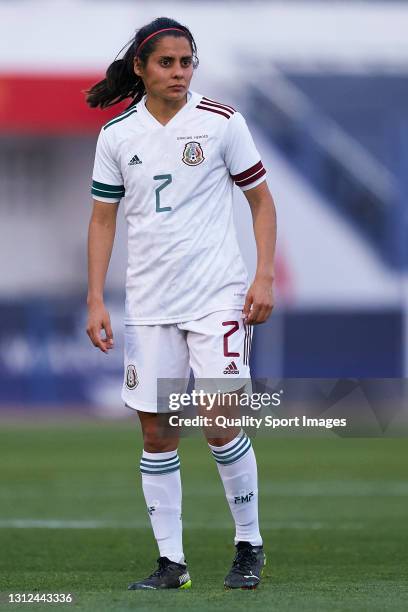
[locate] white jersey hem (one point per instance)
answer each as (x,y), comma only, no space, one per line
(181,318)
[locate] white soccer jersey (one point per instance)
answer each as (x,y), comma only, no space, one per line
(177,183)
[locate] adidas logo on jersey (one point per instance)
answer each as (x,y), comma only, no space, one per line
(231,368)
(135,160)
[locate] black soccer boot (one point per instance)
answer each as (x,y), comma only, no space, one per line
(246,569)
(169,575)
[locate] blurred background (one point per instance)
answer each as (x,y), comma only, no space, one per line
(324,88)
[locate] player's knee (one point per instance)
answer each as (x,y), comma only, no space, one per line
(218,441)
(159,446)
(153,443)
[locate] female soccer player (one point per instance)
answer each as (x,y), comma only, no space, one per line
(174,156)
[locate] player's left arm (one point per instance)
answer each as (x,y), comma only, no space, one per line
(259,299)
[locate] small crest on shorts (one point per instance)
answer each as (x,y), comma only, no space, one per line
(193,154)
(131,377)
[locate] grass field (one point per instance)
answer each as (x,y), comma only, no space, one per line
(72,519)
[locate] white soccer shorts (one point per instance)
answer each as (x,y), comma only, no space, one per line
(215,347)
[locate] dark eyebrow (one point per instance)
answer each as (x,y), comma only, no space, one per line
(170,57)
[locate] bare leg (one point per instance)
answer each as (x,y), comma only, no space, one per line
(158,435)
(216,435)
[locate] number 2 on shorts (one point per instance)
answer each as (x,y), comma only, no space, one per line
(234,328)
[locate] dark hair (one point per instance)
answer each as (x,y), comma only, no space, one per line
(120,81)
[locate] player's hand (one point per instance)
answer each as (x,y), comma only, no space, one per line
(99,319)
(259,301)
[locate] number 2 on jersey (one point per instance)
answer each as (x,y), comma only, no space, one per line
(167,178)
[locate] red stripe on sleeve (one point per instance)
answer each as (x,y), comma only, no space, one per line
(252,179)
(244,175)
(217,105)
(213,110)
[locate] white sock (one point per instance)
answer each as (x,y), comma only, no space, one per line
(162,491)
(237,467)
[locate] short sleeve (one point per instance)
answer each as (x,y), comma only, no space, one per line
(107,180)
(241,155)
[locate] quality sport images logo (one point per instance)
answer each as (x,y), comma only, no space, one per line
(131,377)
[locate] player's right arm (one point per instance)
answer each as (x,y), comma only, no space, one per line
(101,235)
(107,190)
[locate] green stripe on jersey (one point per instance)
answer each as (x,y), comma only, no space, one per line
(120,117)
(107,191)
(106,187)
(107,194)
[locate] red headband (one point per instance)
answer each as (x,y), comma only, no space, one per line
(154,34)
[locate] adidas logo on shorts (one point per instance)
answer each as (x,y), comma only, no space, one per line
(231,368)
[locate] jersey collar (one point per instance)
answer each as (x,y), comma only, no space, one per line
(150,121)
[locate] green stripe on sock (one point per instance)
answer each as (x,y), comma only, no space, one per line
(159,460)
(159,466)
(235,458)
(230,451)
(172,469)
(216,452)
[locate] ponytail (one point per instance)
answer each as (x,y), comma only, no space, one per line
(120,83)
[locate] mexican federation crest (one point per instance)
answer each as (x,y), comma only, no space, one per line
(193,154)
(131,377)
